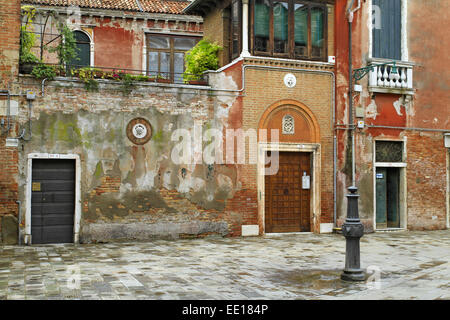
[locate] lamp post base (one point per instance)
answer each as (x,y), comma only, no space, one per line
(353,275)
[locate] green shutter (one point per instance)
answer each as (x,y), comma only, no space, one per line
(317,27)
(261,19)
(301,25)
(280,21)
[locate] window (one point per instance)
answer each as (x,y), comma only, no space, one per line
(290,29)
(83,58)
(236,27)
(166,55)
(387,29)
(389,151)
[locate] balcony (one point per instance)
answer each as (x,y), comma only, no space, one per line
(127,76)
(383,80)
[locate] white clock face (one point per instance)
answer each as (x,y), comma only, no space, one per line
(139,131)
(290,80)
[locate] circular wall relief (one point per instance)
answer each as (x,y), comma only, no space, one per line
(290,80)
(139,131)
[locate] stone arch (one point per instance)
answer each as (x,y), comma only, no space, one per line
(306,128)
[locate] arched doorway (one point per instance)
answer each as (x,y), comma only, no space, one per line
(290,195)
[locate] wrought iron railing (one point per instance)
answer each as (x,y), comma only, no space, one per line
(135,75)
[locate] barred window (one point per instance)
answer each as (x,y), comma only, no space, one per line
(288,125)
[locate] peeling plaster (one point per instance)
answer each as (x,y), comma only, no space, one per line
(371,110)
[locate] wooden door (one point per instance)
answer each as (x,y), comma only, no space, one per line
(287,198)
(52,201)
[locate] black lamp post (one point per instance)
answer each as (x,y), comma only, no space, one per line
(353,230)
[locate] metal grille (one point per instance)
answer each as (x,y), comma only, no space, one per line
(389,151)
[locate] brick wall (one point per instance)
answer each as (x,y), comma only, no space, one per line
(427,181)
(9,64)
(9,40)
(266,87)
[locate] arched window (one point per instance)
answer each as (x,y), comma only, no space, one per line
(84,51)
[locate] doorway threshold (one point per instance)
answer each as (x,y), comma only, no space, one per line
(392,230)
(286,234)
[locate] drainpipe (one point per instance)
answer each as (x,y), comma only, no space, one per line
(19,240)
(245,52)
(22,135)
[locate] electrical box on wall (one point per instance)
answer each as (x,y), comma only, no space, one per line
(31,95)
(360,124)
(447,140)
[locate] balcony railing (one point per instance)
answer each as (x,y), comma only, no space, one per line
(382,79)
(119,74)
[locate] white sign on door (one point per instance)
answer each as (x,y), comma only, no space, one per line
(306,181)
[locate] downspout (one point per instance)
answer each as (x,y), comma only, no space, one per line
(19,240)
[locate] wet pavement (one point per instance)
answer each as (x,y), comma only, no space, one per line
(399,265)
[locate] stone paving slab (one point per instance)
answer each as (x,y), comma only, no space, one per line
(400,265)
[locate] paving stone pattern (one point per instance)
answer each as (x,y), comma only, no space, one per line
(407,265)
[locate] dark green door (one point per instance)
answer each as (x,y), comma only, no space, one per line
(387,198)
(52,201)
(381,204)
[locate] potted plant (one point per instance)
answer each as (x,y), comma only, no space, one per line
(202,57)
(44,71)
(161,79)
(27,59)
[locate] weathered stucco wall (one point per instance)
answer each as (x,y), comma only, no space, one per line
(133,191)
(117,38)
(425,154)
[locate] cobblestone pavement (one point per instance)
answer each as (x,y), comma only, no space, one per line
(403,265)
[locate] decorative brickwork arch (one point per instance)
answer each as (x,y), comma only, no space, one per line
(305,126)
(290,197)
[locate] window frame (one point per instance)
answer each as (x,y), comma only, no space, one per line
(232,54)
(171,51)
(290,54)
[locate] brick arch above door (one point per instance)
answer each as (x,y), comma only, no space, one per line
(290,112)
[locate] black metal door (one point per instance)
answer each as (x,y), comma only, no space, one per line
(52,201)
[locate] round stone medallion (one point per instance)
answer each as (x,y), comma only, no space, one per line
(290,80)
(139,131)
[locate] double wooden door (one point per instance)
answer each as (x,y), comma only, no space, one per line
(288,194)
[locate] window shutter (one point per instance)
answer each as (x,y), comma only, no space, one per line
(387,33)
(262,19)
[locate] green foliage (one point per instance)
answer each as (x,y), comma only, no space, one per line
(127,83)
(67,48)
(87,75)
(27,36)
(43,71)
(202,57)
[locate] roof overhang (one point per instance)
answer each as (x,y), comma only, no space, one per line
(201,7)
